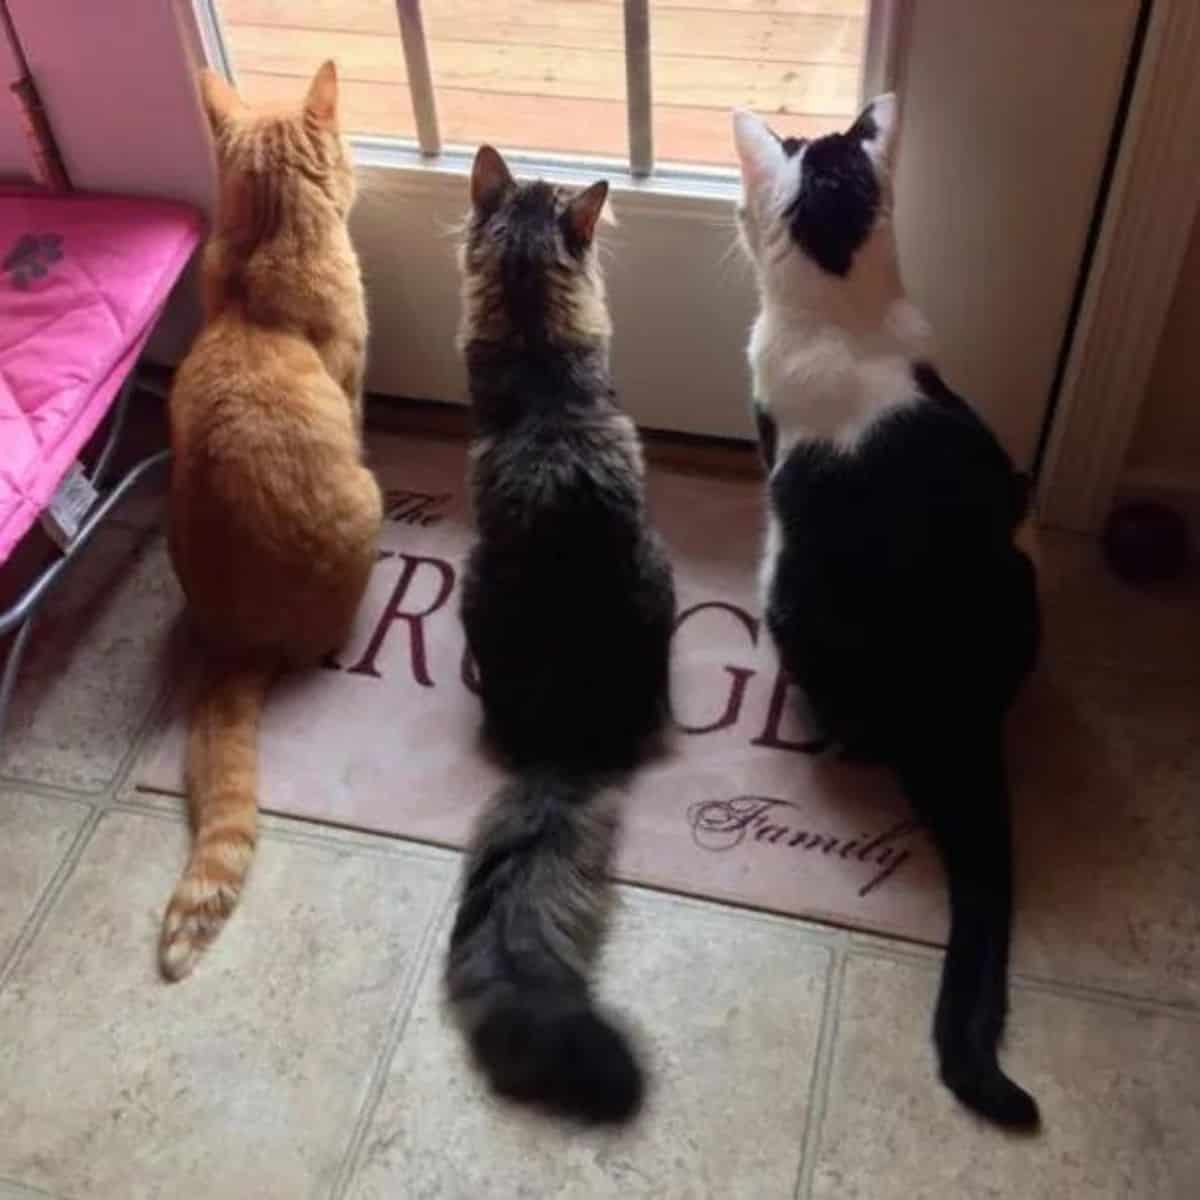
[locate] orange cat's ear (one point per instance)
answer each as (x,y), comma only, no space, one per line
(584,211)
(491,181)
(221,102)
(322,97)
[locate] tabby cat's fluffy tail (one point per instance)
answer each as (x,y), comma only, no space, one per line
(222,778)
(532,913)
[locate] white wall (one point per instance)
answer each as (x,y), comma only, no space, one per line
(682,298)
(117,86)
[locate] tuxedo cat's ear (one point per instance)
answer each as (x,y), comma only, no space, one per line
(876,128)
(584,211)
(491,181)
(759,151)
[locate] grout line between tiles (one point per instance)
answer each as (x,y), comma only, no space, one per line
(373,845)
(1021,981)
(1104,997)
(50,893)
(147,729)
(1111,997)
(818,1088)
(806,928)
(133,802)
(397,1020)
(322,833)
(396,1026)
(24,1189)
(849,942)
(59,790)
(148,720)
(146,726)
(48,791)
(381,846)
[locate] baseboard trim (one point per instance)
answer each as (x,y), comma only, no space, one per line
(727,457)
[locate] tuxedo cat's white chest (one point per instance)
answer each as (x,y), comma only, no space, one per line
(821,386)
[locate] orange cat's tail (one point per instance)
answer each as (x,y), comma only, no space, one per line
(222,783)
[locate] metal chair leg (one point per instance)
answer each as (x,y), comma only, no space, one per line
(8,679)
(19,616)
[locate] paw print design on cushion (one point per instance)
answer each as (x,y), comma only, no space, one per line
(32,257)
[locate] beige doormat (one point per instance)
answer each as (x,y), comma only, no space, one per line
(733,810)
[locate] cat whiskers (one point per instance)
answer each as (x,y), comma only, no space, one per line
(732,256)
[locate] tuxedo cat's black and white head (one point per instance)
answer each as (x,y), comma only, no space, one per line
(817,212)
(833,345)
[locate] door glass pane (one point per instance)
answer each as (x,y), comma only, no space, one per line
(525,74)
(795,62)
(277,45)
(550,74)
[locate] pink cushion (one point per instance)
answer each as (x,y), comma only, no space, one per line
(82,279)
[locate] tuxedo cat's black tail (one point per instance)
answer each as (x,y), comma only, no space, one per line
(960,791)
(530,920)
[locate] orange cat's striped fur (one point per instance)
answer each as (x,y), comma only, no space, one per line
(273,517)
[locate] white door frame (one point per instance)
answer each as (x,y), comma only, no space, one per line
(887,23)
(1147,221)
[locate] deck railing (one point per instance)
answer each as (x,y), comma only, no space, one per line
(885,20)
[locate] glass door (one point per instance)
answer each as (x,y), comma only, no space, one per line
(1009,109)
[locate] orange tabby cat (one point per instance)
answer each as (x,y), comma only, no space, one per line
(273,517)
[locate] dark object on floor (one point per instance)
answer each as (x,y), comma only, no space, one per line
(1146,542)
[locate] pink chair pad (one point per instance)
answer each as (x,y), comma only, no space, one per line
(82,279)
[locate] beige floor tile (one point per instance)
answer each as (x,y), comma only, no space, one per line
(128,793)
(1119,1092)
(96,664)
(246,1079)
(730,1008)
(1107,780)
(11,1191)
(1091,614)
(35,833)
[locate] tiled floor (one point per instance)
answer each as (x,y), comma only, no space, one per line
(309,1056)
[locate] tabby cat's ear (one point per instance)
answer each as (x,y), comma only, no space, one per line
(876,128)
(321,101)
(760,152)
(584,211)
(491,181)
(221,102)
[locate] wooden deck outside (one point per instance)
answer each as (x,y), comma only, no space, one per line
(550,74)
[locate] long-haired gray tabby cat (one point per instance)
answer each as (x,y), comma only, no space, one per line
(568,607)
